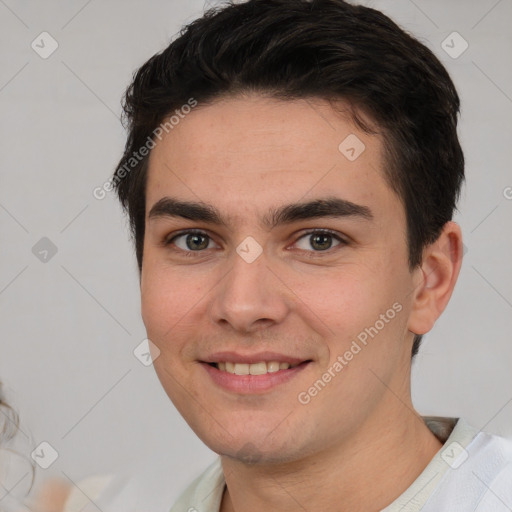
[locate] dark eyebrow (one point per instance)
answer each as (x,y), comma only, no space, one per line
(287,214)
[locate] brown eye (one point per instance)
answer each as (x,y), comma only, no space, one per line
(319,241)
(190,241)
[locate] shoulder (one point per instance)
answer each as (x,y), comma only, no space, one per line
(490,452)
(204,493)
(493,473)
(478,476)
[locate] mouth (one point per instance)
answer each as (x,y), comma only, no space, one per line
(259,368)
(248,375)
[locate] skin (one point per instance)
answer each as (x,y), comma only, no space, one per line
(359,443)
(51,496)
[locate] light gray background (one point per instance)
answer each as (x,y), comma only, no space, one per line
(69,326)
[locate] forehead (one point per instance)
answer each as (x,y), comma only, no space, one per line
(245,154)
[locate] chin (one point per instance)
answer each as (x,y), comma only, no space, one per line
(254,448)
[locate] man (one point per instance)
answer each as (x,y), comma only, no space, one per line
(290,175)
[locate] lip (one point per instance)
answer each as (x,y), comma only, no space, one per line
(237,357)
(253,384)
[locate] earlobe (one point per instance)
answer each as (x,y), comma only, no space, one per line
(436,280)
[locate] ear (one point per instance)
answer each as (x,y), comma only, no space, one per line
(435,278)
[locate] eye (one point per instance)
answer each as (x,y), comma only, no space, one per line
(196,241)
(190,241)
(320,240)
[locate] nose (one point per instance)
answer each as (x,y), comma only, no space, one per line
(250,297)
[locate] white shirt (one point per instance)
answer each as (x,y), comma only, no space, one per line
(472,472)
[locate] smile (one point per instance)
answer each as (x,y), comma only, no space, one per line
(252,378)
(260,368)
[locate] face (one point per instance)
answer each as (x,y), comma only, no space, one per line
(322,285)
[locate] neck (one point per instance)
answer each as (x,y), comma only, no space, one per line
(364,473)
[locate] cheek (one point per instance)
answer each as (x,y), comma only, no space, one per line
(165,299)
(346,304)
(342,298)
(164,309)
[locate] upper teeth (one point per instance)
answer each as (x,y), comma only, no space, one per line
(254,368)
